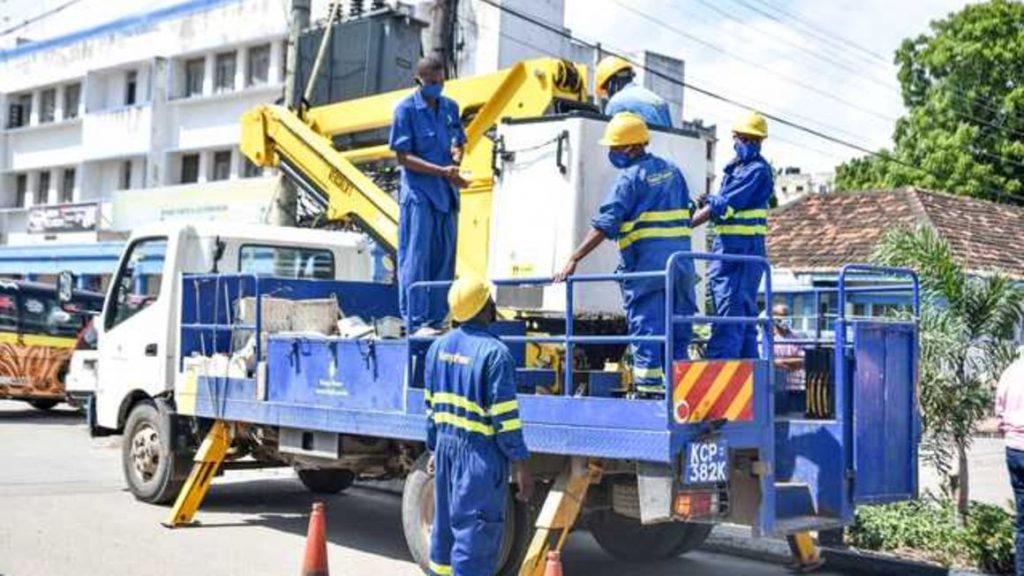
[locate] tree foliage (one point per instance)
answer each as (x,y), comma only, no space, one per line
(967,325)
(963,86)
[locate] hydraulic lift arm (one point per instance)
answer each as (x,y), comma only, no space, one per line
(301,146)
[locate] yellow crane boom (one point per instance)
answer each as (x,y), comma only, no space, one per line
(302,147)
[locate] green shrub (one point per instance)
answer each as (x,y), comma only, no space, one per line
(927,529)
(990,538)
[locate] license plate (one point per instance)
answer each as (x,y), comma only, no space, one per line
(707,462)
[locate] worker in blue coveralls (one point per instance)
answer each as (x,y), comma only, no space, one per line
(614,79)
(427,136)
(648,213)
(473,433)
(740,214)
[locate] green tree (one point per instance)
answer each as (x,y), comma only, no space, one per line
(963,86)
(967,325)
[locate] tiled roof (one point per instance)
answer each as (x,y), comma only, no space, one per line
(824,232)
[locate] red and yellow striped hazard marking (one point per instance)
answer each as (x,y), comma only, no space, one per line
(713,390)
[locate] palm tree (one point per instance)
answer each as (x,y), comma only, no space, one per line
(967,327)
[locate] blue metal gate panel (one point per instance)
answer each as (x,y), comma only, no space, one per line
(884,409)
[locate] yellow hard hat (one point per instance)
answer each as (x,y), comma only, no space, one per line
(624,129)
(467,297)
(608,66)
(751,124)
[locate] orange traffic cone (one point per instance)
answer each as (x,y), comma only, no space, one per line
(554,565)
(315,561)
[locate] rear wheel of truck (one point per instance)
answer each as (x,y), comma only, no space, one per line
(43,404)
(418,516)
(327,480)
(154,473)
(627,539)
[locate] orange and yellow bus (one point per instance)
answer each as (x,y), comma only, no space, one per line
(38,336)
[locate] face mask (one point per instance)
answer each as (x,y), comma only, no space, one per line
(432,90)
(619,159)
(746,151)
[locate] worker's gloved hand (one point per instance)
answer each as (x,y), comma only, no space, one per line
(524,480)
(568,270)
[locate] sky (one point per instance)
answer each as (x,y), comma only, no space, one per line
(826,64)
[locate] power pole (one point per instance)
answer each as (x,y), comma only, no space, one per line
(287,196)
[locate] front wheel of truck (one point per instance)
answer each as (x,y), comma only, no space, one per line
(628,540)
(418,516)
(153,471)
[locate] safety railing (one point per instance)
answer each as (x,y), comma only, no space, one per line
(667,340)
(192,312)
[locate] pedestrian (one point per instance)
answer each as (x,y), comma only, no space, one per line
(647,212)
(473,433)
(739,211)
(615,80)
(1010,412)
(428,138)
(789,355)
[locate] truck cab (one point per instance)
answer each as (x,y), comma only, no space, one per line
(138,329)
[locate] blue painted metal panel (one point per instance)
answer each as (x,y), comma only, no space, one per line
(810,452)
(884,439)
(92,258)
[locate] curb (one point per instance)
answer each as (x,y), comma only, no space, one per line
(736,541)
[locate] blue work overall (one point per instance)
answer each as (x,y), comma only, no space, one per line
(648,213)
(642,102)
(740,213)
(429,205)
(473,430)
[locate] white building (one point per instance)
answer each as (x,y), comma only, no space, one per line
(792,183)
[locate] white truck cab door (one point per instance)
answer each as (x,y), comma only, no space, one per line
(135,338)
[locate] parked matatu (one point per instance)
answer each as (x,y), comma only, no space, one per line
(37,338)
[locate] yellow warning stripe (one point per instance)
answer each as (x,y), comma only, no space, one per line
(721,381)
(742,399)
(690,378)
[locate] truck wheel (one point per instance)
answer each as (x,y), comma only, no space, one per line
(628,540)
(418,516)
(43,404)
(327,480)
(153,472)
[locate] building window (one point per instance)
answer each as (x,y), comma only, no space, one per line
(126,175)
(19,111)
(21,190)
(194,76)
(131,81)
(189,168)
(221,165)
(47,105)
(72,96)
(250,170)
(43,189)
(67,186)
(225,72)
(259,65)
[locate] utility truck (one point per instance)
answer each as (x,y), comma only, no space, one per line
(262,347)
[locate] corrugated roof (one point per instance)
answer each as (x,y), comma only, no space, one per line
(824,232)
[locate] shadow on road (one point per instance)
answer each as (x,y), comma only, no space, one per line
(22,413)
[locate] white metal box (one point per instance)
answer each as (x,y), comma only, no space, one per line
(551,177)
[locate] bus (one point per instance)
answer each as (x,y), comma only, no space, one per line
(38,335)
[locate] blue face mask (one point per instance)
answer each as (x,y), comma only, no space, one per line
(746,151)
(619,159)
(432,90)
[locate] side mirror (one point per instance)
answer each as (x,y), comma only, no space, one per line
(65,286)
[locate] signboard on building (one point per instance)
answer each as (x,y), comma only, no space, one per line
(249,201)
(62,218)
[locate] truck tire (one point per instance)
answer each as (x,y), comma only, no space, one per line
(154,473)
(43,405)
(628,540)
(327,480)
(418,515)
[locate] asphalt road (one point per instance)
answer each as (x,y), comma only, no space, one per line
(64,511)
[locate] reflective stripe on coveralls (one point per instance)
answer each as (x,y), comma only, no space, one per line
(474,430)
(740,213)
(429,204)
(648,213)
